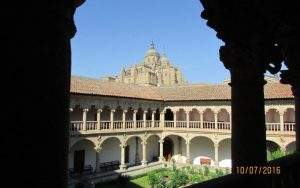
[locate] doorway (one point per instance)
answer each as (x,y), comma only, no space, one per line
(79,161)
(168,149)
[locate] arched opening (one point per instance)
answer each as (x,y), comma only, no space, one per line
(129,119)
(202,151)
(148,117)
(291,147)
(194,118)
(82,157)
(271,147)
(272,120)
(152,150)
(133,151)
(110,155)
(208,119)
(168,148)
(91,118)
(76,114)
(223,118)
(105,118)
(181,118)
(76,119)
(139,118)
(118,117)
(289,119)
(224,152)
(169,118)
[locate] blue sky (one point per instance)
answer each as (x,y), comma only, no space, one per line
(116,33)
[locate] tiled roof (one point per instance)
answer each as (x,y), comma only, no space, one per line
(82,85)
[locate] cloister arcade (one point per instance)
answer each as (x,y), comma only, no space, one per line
(139,136)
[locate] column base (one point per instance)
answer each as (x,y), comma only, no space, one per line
(144,163)
(216,164)
(188,161)
(161,159)
(122,167)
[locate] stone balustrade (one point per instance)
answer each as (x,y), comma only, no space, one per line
(78,126)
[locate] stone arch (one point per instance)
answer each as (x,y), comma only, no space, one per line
(194,115)
(153,147)
(109,137)
(169,115)
(208,115)
(180,115)
(110,149)
(139,114)
(76,114)
(85,146)
(202,150)
(291,147)
(133,150)
(224,151)
(289,115)
(157,114)
(271,146)
(129,114)
(105,114)
(118,114)
(272,116)
(223,115)
(73,142)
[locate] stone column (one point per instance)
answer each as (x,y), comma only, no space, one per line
(161,150)
(134,118)
(98,118)
(246,65)
(201,120)
(84,118)
(281,121)
(144,118)
(70,124)
(216,120)
(112,111)
(122,165)
(98,150)
(216,154)
(162,119)
(175,118)
(124,118)
(188,157)
(152,118)
(187,119)
(144,160)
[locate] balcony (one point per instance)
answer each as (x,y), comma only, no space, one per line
(140,125)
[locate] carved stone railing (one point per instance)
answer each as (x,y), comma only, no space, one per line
(148,123)
(181,124)
(117,124)
(129,125)
(208,125)
(169,124)
(273,126)
(91,125)
(76,125)
(289,127)
(195,124)
(139,123)
(224,125)
(156,124)
(104,125)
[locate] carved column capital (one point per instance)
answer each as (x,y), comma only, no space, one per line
(71,109)
(85,109)
(99,110)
